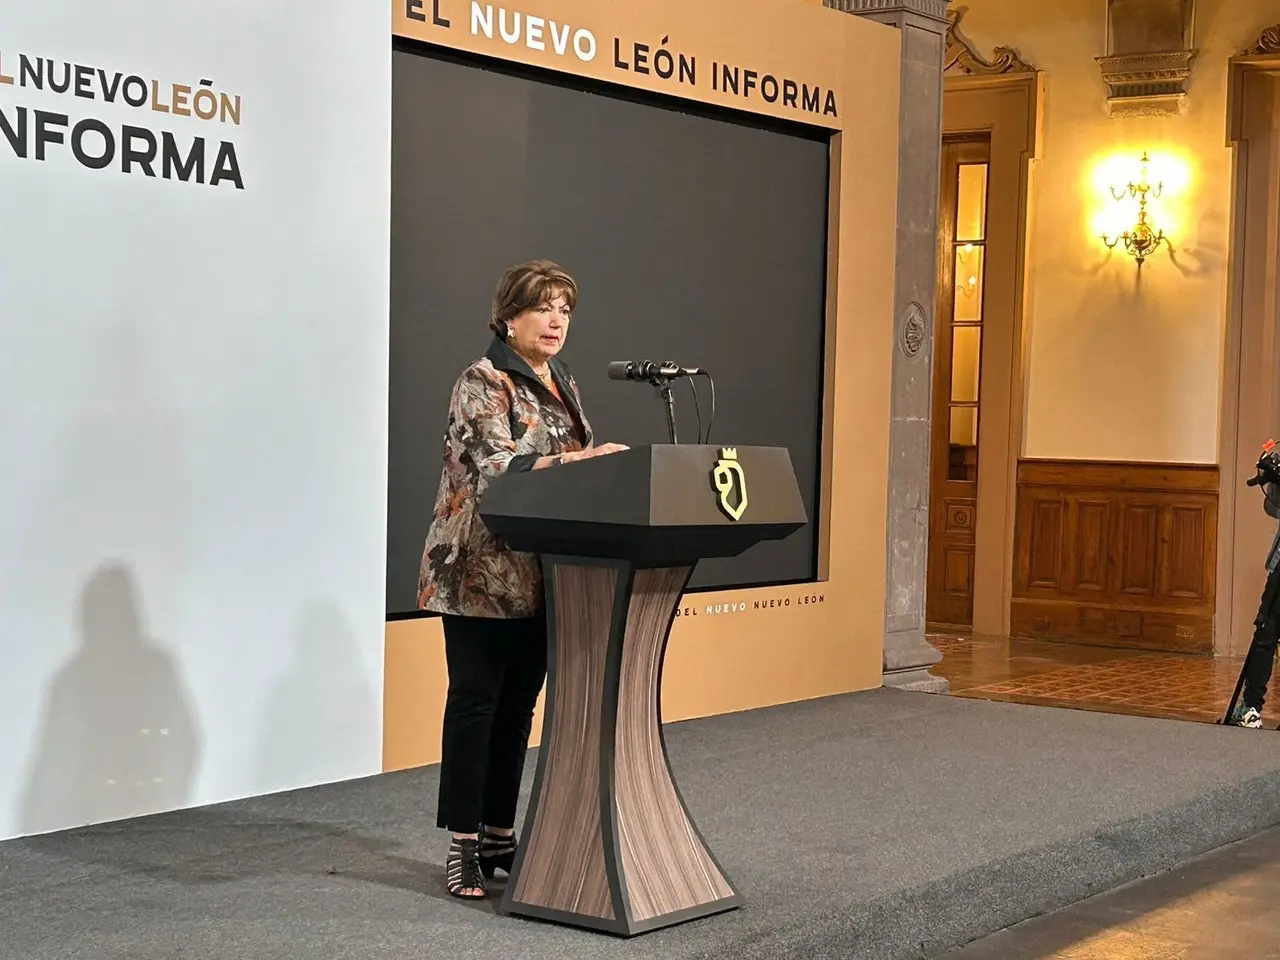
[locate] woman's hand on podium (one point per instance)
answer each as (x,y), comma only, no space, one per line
(574,455)
(601,450)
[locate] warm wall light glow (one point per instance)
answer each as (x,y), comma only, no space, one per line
(1111,176)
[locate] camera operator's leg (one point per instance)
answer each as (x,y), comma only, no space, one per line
(1262,654)
(1257,673)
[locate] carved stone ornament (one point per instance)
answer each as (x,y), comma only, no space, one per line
(1149,57)
(1268,42)
(913,330)
(961,57)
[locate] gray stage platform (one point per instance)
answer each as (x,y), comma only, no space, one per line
(879,825)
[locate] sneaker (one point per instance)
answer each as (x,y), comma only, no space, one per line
(1246,717)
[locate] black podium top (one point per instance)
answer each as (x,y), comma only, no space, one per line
(656,505)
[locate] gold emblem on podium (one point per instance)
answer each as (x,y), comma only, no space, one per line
(727,476)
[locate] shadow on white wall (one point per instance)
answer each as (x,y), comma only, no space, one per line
(117,735)
(320,720)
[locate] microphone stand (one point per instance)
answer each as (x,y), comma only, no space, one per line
(663,385)
(660,377)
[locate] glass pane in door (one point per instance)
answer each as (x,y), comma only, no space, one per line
(964,426)
(962,451)
(966,349)
(968,305)
(971,203)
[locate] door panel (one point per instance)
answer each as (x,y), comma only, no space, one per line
(957,383)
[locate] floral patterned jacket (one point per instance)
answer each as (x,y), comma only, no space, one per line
(501,418)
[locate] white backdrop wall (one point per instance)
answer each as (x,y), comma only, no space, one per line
(192,406)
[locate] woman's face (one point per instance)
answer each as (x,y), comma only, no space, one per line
(539,332)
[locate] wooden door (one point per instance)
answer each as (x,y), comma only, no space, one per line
(957,363)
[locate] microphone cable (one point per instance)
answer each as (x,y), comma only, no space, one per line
(698,407)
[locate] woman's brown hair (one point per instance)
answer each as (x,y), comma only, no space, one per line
(526,285)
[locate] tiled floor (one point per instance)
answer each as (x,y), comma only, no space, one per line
(1223,905)
(1094,678)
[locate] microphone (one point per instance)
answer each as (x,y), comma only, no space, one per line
(646,370)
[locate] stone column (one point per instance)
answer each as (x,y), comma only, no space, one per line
(907,654)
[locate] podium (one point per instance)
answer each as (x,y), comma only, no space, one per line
(608,843)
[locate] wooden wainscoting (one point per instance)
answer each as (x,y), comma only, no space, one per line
(1116,554)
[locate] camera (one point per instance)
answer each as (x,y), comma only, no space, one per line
(1267,467)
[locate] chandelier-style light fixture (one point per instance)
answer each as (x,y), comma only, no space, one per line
(1143,238)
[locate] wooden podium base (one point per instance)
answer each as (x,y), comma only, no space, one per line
(608,843)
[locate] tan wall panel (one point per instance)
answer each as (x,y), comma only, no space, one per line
(764,646)
(413,692)
(788,41)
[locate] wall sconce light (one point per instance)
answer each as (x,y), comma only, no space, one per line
(1142,239)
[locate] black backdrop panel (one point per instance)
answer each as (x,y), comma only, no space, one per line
(692,239)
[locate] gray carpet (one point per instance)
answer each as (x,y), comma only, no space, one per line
(879,825)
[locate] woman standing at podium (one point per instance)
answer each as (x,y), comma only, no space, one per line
(516,408)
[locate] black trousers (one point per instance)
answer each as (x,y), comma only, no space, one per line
(1262,652)
(496,671)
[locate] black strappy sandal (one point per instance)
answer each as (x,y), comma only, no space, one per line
(497,852)
(463,871)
